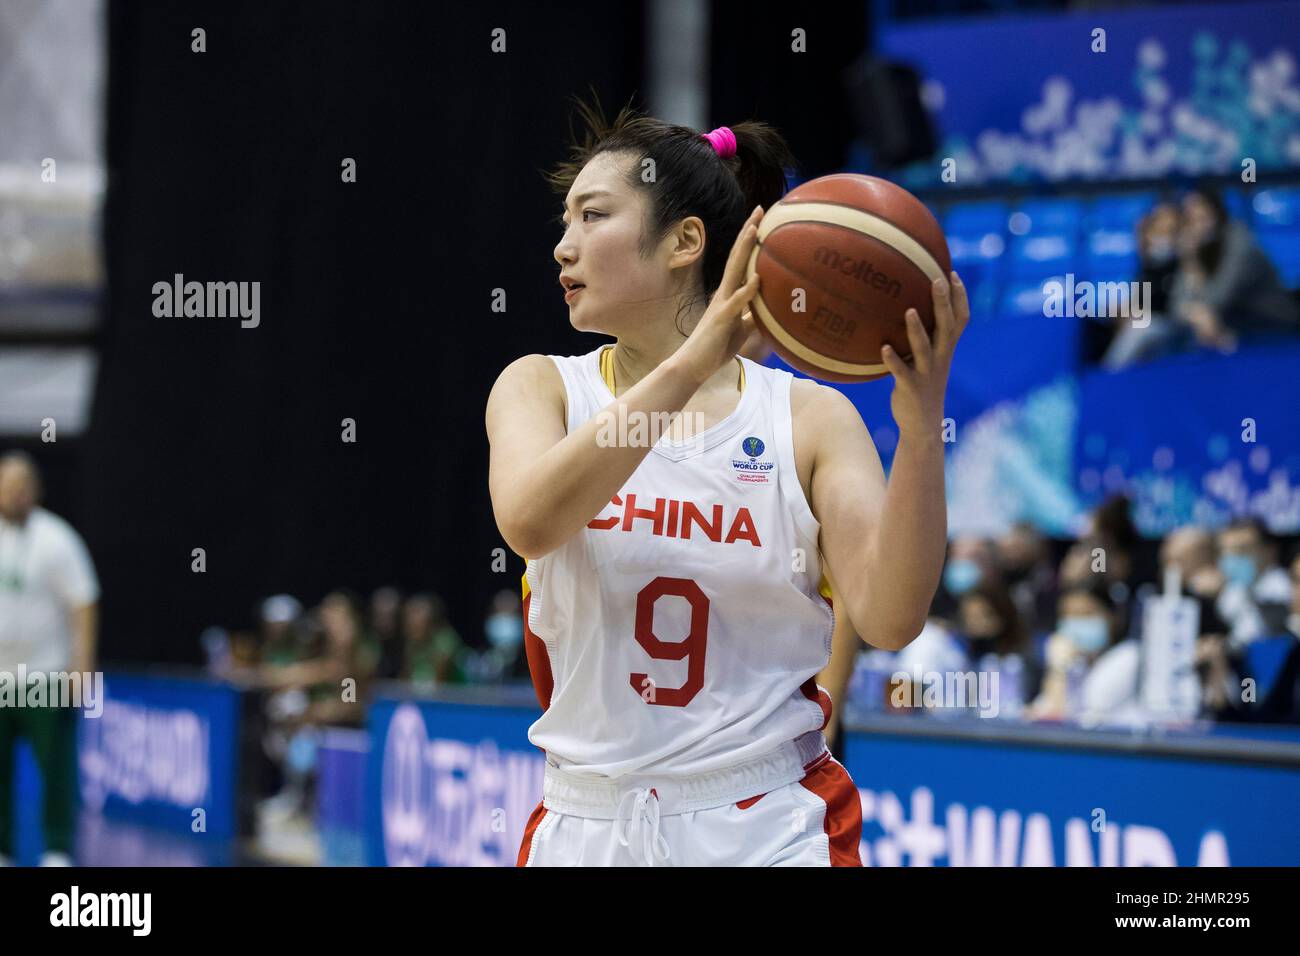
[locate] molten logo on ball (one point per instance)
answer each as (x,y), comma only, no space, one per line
(859,269)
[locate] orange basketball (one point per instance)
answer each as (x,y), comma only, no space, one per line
(842,258)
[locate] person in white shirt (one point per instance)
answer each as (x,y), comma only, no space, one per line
(1256,592)
(48,624)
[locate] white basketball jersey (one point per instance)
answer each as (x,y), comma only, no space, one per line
(681,630)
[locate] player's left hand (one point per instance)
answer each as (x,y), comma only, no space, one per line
(919,387)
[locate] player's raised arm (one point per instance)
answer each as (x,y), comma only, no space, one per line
(545,485)
(885,543)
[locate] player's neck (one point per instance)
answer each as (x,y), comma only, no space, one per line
(633,362)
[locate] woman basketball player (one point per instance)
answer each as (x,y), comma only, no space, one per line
(673,619)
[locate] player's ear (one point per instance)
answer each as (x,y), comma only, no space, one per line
(688,241)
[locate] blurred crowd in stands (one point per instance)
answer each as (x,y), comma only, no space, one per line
(1062,623)
(318,667)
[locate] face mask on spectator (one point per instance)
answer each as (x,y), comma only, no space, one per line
(960,576)
(1089,634)
(505,630)
(1239,569)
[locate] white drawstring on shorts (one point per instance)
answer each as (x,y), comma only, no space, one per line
(643,816)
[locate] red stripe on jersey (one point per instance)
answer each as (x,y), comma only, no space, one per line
(816,694)
(539,663)
(534,820)
(843,823)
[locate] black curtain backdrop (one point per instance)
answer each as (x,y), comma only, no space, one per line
(754,74)
(375,296)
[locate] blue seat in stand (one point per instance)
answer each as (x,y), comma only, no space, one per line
(976,234)
(1283,247)
(1110,232)
(1045,237)
(1277,208)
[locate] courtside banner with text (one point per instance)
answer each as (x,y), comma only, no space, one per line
(164,752)
(449,784)
(936,801)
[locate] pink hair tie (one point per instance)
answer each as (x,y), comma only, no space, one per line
(723,140)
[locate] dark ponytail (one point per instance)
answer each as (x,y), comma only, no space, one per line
(690,178)
(760,164)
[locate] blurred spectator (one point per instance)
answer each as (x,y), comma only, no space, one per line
(1110,550)
(505,633)
(1158,253)
(1083,561)
(972,560)
(1095,560)
(1089,674)
(992,632)
(1192,552)
(1027,568)
(275,668)
(988,622)
(277,618)
(1113,519)
(1271,663)
(1281,702)
(1225,290)
(383,637)
(433,653)
(1256,592)
(1157,246)
(345,658)
(49,596)
(309,692)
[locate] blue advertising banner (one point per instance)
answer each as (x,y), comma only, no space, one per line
(998,360)
(1145,92)
(163,752)
(929,801)
(449,784)
(1195,438)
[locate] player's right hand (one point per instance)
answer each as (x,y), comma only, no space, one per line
(727,323)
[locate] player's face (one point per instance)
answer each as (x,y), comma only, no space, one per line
(600,248)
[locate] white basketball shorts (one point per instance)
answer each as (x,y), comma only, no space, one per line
(816,821)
